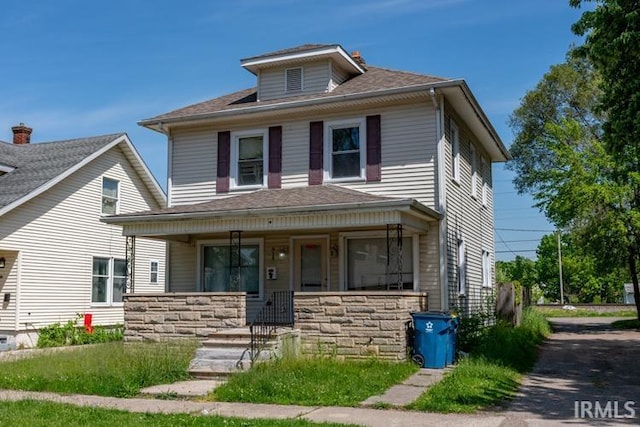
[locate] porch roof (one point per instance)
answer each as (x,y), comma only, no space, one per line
(275,209)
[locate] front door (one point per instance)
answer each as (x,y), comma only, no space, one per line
(310,265)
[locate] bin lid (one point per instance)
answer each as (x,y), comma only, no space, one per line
(431,315)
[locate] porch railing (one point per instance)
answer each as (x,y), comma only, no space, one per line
(276,311)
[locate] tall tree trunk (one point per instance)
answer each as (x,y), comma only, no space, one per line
(634,279)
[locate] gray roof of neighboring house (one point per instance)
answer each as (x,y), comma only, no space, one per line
(291,50)
(374,79)
(38,163)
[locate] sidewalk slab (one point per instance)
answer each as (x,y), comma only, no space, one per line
(184,388)
(410,389)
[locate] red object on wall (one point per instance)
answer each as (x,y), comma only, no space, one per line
(88,317)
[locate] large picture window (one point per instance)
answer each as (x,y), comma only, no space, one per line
(346,150)
(109,278)
(366,264)
(221,275)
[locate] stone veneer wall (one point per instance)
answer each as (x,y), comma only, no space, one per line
(159,317)
(356,324)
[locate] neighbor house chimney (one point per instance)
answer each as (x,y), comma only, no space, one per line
(355,55)
(21,134)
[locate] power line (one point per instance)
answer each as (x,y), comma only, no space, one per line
(514,252)
(503,242)
(522,240)
(525,230)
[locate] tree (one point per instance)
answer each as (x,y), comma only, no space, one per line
(612,44)
(521,270)
(561,159)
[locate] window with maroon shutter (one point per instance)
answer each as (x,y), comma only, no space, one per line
(374,148)
(275,157)
(224,160)
(316,142)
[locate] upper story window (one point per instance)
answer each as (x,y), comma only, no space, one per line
(485,185)
(455,151)
(110,195)
(248,160)
(474,173)
(293,79)
(346,150)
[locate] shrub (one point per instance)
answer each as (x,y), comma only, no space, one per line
(57,335)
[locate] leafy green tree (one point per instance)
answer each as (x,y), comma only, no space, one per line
(521,270)
(612,45)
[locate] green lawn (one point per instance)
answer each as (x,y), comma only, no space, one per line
(581,312)
(313,381)
(29,413)
(493,370)
(110,369)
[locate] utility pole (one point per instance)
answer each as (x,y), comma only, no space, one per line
(560,270)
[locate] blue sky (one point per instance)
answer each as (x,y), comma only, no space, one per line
(78,68)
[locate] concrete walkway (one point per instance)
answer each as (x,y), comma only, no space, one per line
(409,390)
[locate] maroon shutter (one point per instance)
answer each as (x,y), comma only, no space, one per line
(275,157)
(374,148)
(224,161)
(316,141)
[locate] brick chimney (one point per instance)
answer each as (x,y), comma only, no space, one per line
(355,55)
(21,134)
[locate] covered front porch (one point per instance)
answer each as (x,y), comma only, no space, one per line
(322,239)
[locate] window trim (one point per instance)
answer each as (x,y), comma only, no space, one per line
(151,262)
(117,198)
(375,234)
(455,151)
(286,73)
(462,266)
(109,302)
(225,242)
(474,173)
(235,158)
(359,122)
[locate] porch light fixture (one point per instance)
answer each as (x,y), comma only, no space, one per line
(281,252)
(334,250)
(2,262)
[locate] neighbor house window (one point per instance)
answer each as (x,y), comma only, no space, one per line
(367,268)
(474,173)
(222,271)
(249,163)
(462,267)
(346,151)
(110,195)
(109,280)
(486,269)
(153,272)
(455,151)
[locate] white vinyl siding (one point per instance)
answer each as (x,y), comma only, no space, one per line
(59,231)
(455,150)
(183,268)
(408,156)
(8,281)
(338,76)
(271,81)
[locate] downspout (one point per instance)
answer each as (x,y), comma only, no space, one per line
(438,105)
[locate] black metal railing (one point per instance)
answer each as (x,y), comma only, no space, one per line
(277,311)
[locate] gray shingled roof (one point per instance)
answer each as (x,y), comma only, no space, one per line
(300,197)
(296,49)
(38,163)
(373,80)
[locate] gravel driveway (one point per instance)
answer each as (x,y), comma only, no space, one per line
(585,371)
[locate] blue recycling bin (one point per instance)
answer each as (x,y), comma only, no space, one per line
(432,340)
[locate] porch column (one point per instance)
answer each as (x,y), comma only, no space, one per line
(235,260)
(394,257)
(130,258)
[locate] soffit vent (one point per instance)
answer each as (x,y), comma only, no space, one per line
(293,79)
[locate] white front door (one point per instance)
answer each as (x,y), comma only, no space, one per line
(310,265)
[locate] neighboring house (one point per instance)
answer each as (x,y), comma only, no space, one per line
(57,258)
(331,176)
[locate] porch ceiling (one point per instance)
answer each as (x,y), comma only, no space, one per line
(316,207)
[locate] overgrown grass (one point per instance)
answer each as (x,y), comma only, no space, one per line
(581,312)
(313,381)
(627,324)
(110,369)
(70,333)
(29,413)
(492,371)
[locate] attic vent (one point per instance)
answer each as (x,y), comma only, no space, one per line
(293,79)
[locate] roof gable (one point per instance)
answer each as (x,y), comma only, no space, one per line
(39,166)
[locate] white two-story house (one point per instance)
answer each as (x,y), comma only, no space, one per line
(330,176)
